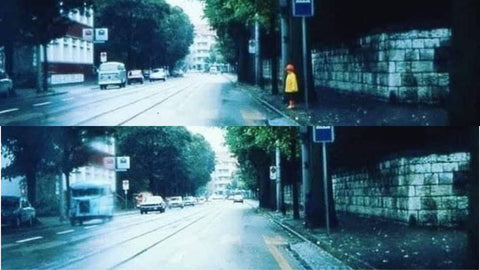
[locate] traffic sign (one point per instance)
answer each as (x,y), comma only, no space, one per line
(109,163)
(273,172)
(125,185)
(103,57)
(88,34)
(123,163)
(323,134)
(302,8)
(101,34)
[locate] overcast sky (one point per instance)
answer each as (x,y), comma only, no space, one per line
(213,135)
(193,8)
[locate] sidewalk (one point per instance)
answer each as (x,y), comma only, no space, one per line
(55,220)
(352,110)
(373,244)
(55,90)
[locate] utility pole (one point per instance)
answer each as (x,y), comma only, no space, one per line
(283,36)
(279,182)
(258,64)
(305,164)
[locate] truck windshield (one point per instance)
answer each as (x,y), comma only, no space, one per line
(86,192)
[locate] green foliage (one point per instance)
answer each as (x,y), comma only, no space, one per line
(169,160)
(144,33)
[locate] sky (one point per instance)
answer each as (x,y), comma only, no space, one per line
(193,8)
(213,135)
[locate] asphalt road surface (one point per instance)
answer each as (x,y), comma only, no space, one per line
(196,99)
(217,235)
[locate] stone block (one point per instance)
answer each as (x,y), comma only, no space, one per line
(428,203)
(422,190)
(403,66)
(396,55)
(430,179)
(445,178)
(401,44)
(429,79)
(424,94)
(437,167)
(409,79)
(443,79)
(418,44)
(423,168)
(412,55)
(422,66)
(444,217)
(414,203)
(432,42)
(411,191)
(450,167)
(394,79)
(427,54)
(441,190)
(462,202)
(448,202)
(427,217)
(440,33)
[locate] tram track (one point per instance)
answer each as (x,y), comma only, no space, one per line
(191,220)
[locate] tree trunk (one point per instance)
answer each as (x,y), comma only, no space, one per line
(68,195)
(31,186)
(464,98)
(9,57)
(45,69)
(472,250)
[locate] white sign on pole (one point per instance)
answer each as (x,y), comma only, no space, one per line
(109,163)
(251,46)
(125,185)
(101,34)
(88,34)
(273,172)
(103,57)
(123,163)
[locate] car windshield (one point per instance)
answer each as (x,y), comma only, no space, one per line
(109,67)
(10,203)
(158,70)
(86,192)
(153,199)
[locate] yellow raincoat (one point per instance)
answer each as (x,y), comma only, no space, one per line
(291,85)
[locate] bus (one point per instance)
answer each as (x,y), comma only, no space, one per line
(90,200)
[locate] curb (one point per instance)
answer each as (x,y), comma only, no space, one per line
(364,264)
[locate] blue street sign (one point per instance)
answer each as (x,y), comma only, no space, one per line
(302,8)
(322,134)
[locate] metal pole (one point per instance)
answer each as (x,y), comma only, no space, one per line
(279,184)
(325,186)
(283,38)
(257,51)
(304,52)
(305,168)
(125,199)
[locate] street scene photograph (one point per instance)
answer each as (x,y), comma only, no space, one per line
(239,62)
(287,198)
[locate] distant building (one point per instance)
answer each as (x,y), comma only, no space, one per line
(226,165)
(204,40)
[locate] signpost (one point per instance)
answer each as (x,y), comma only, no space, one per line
(123,163)
(324,135)
(125,185)
(273,172)
(103,57)
(303,8)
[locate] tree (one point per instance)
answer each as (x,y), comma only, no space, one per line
(146,33)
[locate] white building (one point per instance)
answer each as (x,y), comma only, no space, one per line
(204,40)
(96,173)
(226,165)
(71,57)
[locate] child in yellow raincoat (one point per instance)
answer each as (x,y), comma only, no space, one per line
(291,86)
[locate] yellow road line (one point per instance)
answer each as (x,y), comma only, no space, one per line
(271,244)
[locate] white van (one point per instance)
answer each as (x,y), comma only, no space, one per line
(90,200)
(112,73)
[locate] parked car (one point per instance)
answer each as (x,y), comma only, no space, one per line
(135,76)
(6,84)
(213,70)
(216,197)
(238,198)
(16,211)
(112,73)
(201,200)
(189,200)
(146,74)
(158,74)
(152,203)
(177,73)
(175,202)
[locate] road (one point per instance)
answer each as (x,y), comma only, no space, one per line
(196,99)
(217,235)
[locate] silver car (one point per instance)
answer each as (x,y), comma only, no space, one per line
(6,84)
(16,211)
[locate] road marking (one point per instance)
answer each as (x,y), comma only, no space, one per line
(9,110)
(91,226)
(41,104)
(64,232)
(67,99)
(29,239)
(271,244)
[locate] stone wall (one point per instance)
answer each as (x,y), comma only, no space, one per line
(429,190)
(409,67)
